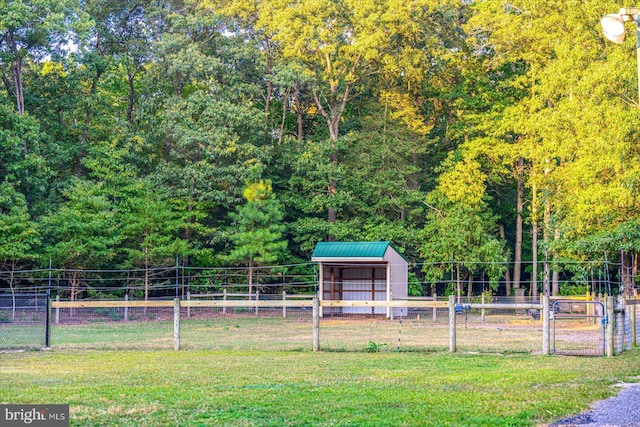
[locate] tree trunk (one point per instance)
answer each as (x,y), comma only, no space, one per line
(534,243)
(626,260)
(332,115)
(146,276)
(284,115)
(131,96)
(458,283)
(250,278)
(507,275)
(555,274)
(146,273)
(74,291)
(299,113)
(16,72)
(470,286)
(13,291)
(545,233)
(267,103)
(8,86)
(517,262)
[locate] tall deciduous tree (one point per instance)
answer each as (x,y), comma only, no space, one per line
(342,44)
(19,236)
(460,231)
(83,232)
(27,29)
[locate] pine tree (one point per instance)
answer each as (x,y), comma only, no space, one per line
(258,224)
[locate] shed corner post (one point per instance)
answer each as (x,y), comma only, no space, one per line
(452,323)
(389,294)
(320,286)
(316,324)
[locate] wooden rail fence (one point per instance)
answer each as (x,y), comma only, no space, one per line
(316,305)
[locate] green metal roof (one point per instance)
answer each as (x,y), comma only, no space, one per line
(360,250)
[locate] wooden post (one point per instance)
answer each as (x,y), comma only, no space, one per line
(546,330)
(176,324)
(435,298)
(452,323)
(628,340)
(482,311)
(610,320)
(257,299)
(57,310)
(188,307)
(316,324)
(224,298)
(284,307)
(633,325)
(126,308)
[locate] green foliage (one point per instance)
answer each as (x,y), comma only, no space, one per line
(257,236)
(412,122)
(19,235)
(151,227)
(83,232)
(460,228)
(414,285)
(374,347)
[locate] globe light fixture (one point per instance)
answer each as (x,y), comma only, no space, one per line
(614,30)
(613,27)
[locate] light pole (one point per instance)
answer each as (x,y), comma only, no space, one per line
(613,28)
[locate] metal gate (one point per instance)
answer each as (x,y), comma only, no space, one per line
(24,321)
(578,328)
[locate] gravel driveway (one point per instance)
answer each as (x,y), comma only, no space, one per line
(622,410)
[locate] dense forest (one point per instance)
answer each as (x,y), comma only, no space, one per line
(242,132)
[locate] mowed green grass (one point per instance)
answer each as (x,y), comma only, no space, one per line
(244,388)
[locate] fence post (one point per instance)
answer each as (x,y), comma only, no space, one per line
(482,312)
(633,324)
(257,299)
(188,307)
(126,308)
(628,341)
(316,324)
(610,320)
(176,324)
(284,307)
(546,335)
(224,298)
(452,323)
(47,334)
(57,310)
(435,298)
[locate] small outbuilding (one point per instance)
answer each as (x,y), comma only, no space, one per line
(361,271)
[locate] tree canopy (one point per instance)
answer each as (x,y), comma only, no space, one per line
(469,133)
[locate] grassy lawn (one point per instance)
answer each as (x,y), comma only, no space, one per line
(247,388)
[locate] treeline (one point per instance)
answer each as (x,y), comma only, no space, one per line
(233,132)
